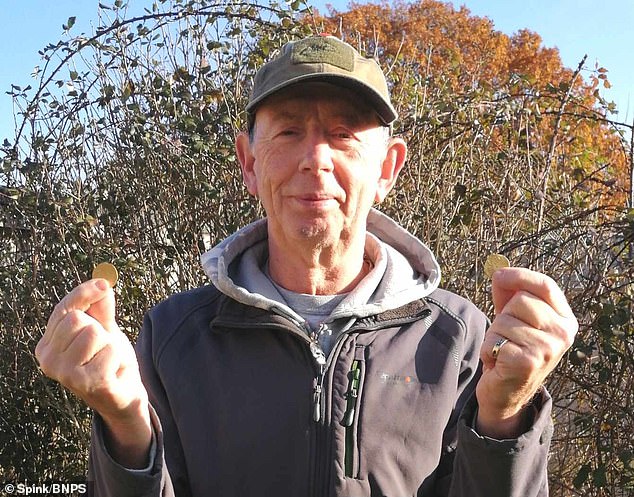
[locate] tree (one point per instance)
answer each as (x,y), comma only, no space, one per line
(441,47)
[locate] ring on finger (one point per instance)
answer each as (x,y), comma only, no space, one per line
(495,351)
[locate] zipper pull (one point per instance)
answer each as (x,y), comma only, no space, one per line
(348,417)
(323,329)
(317,395)
(351,395)
(317,403)
(318,354)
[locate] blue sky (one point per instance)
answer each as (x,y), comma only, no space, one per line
(603,30)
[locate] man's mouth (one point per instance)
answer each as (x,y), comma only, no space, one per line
(316,200)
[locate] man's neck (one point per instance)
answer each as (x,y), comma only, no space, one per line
(318,270)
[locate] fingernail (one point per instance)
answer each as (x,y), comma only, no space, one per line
(102,285)
(499,273)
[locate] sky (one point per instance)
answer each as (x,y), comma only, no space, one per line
(602,30)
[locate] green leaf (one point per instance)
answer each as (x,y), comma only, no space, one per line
(621,317)
(582,476)
(599,477)
(69,24)
(604,323)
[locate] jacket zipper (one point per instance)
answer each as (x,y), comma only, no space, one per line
(312,338)
(318,384)
(320,359)
(352,397)
(319,469)
(352,394)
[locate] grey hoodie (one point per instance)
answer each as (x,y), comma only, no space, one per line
(245,402)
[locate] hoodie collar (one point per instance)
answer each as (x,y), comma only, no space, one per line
(405,270)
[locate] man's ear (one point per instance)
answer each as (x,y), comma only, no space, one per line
(247,161)
(391,166)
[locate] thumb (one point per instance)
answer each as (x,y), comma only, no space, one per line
(501,289)
(103,310)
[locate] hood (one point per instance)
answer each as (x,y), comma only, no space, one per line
(404,270)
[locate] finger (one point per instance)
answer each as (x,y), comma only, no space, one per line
(525,343)
(88,342)
(534,312)
(520,339)
(50,354)
(70,327)
(508,281)
(103,310)
(101,378)
(486,349)
(79,346)
(102,368)
(80,298)
(94,380)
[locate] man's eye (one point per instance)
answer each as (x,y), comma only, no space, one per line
(343,135)
(288,132)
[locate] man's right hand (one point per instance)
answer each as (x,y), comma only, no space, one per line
(84,350)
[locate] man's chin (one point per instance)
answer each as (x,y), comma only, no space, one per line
(319,231)
(313,231)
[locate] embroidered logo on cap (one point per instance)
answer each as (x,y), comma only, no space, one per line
(323,50)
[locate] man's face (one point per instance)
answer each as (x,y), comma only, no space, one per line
(317,162)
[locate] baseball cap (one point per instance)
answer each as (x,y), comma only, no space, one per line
(324,58)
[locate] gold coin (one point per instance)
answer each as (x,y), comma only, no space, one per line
(106,271)
(493,263)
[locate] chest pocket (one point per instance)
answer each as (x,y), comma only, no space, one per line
(401,393)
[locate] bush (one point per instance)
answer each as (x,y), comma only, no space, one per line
(125,154)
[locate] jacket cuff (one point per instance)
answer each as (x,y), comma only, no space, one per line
(112,479)
(511,467)
(531,413)
(539,425)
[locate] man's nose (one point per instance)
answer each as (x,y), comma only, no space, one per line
(317,154)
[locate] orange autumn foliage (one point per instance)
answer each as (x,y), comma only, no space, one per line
(454,50)
(465,48)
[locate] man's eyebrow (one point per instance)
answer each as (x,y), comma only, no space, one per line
(358,116)
(285,115)
(353,118)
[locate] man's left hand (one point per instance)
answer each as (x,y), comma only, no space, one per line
(533,314)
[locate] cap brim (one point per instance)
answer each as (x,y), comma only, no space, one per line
(384,110)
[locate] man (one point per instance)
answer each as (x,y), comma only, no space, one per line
(323,360)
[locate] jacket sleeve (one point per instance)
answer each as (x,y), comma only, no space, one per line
(477,466)
(110,479)
(485,467)
(113,480)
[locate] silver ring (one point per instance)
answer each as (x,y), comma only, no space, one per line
(495,351)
